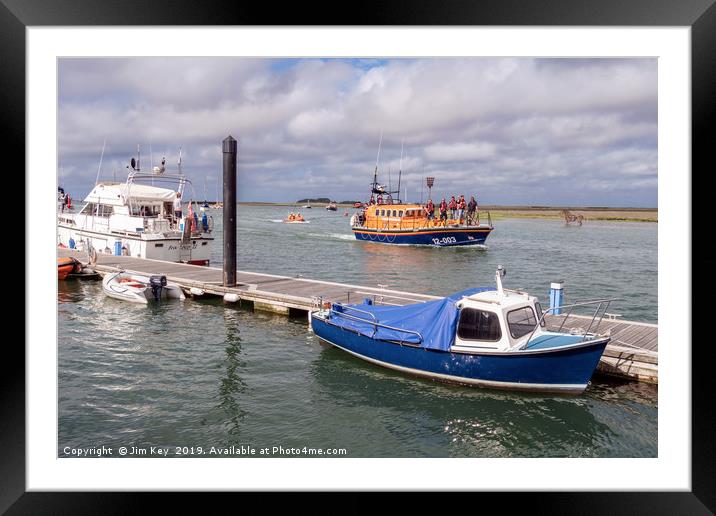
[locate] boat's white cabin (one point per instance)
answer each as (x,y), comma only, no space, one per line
(499,320)
(129,207)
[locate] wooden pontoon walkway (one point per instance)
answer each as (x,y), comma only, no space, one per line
(632,352)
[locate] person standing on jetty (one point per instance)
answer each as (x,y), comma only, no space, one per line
(452,206)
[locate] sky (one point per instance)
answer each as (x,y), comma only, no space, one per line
(512,131)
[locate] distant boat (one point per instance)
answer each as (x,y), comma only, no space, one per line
(306,206)
(295,218)
(332,206)
(389,220)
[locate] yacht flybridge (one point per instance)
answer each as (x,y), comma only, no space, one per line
(137,218)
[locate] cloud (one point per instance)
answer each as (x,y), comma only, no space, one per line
(460,151)
(518,130)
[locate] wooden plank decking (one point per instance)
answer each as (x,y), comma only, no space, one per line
(632,352)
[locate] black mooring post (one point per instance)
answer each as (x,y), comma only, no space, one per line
(229,149)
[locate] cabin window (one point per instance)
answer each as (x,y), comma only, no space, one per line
(394,213)
(400,213)
(104,210)
(478,325)
(521,321)
(145,210)
(88,209)
(382,213)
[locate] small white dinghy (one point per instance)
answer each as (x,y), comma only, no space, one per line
(140,289)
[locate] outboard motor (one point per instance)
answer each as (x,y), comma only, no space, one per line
(157,283)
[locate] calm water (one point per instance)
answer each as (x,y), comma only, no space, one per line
(202,374)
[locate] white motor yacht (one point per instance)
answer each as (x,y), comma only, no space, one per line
(139,219)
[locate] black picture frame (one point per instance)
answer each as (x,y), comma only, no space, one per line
(700,15)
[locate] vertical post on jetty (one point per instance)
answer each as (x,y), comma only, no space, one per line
(229,149)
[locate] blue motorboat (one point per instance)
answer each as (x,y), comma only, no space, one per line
(490,337)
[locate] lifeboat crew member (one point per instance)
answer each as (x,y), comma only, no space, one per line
(461,205)
(452,206)
(430,209)
(443,211)
(471,207)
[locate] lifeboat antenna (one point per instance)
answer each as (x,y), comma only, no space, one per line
(375,173)
(498,279)
(100,161)
(400,168)
(390,186)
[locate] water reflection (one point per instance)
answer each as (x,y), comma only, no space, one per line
(232,384)
(70,291)
(465,421)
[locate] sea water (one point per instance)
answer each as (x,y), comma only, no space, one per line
(200,378)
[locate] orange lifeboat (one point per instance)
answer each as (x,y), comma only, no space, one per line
(67,266)
(294,217)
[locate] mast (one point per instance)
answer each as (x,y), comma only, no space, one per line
(375,173)
(400,169)
(181,180)
(390,186)
(100,162)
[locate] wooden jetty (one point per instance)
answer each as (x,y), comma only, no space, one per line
(632,352)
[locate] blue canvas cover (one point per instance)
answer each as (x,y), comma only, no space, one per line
(435,321)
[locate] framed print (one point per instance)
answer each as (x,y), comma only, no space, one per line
(191,365)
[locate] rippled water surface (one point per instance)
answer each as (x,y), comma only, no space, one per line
(201,374)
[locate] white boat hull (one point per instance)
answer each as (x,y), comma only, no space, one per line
(135,288)
(166,249)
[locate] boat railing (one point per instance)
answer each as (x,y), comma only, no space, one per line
(348,307)
(383,223)
(599,302)
(373,321)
